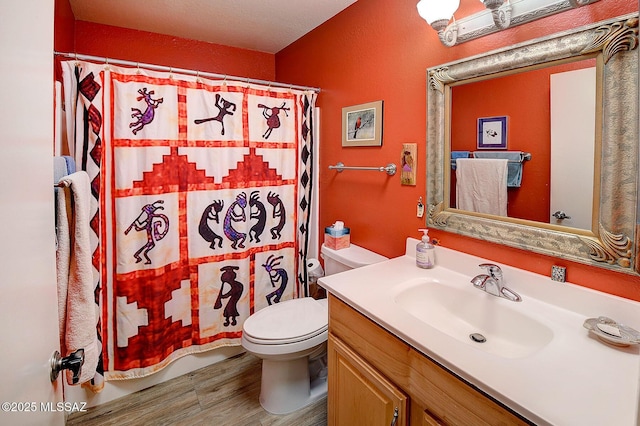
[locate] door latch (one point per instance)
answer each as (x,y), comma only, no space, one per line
(72,362)
(561,215)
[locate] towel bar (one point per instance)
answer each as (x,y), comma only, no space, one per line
(389,168)
(524,156)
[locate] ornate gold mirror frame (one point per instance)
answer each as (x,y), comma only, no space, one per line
(613,243)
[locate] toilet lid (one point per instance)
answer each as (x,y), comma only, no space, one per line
(287,322)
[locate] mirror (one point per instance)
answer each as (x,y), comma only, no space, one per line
(610,239)
(553,123)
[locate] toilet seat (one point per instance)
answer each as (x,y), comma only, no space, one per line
(287,322)
(296,339)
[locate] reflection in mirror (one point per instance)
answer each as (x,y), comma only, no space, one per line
(608,52)
(551,115)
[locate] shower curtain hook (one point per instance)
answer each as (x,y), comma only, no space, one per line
(138,68)
(106,63)
(171,73)
(77,62)
(248,83)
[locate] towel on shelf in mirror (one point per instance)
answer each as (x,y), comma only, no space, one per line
(514,166)
(457,154)
(481,185)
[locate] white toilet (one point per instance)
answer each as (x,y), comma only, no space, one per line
(291,339)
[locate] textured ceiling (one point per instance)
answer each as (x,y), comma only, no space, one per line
(262,25)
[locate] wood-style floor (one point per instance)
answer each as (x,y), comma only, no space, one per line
(225,393)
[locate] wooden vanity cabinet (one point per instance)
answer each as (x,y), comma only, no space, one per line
(372,372)
(361,395)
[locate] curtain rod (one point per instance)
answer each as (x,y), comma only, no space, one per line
(182,71)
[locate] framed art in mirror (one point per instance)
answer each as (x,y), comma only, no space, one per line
(492,133)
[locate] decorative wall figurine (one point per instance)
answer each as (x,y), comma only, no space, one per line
(408,164)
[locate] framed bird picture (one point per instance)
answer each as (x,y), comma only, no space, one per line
(362,124)
(492,133)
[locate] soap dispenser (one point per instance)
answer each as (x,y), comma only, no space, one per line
(425,252)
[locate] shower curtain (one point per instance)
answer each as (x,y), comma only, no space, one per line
(201,200)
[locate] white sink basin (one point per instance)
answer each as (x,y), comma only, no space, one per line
(461,312)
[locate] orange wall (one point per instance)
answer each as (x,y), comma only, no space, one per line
(139,46)
(380,50)
(64,27)
(376,49)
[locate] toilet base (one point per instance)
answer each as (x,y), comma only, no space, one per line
(286,386)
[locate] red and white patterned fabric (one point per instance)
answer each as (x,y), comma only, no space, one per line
(201,206)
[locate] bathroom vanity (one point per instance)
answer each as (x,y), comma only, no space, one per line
(376,373)
(399,343)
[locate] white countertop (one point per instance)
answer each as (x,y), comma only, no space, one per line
(576,379)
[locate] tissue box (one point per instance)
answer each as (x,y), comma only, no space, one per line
(337,239)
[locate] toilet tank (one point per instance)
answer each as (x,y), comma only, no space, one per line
(352,257)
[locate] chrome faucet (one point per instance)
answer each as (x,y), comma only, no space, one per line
(493,283)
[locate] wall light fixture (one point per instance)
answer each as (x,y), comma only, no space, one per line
(498,15)
(438,13)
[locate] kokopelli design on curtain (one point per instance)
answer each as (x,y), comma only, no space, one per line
(224,108)
(235,214)
(211,213)
(271,115)
(156,225)
(234,294)
(148,115)
(278,276)
(258,212)
(278,213)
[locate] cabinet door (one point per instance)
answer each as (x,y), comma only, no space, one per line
(360,395)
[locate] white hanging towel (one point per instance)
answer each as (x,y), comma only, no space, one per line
(481,185)
(76,304)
